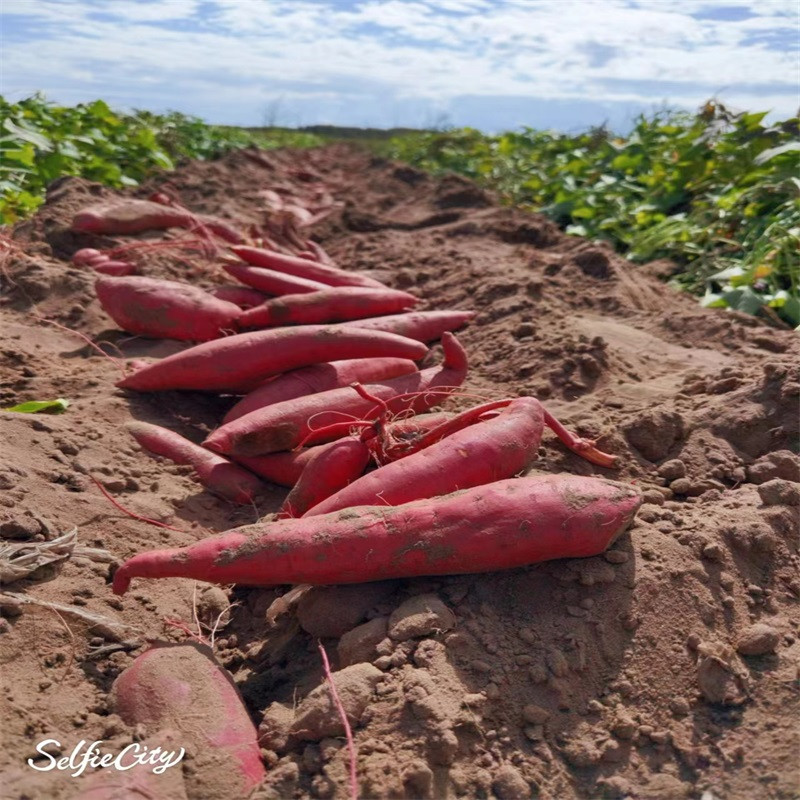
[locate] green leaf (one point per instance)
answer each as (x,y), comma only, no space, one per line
(58,406)
(28,135)
(745,300)
(768,155)
(713,300)
(790,311)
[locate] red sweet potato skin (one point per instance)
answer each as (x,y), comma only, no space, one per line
(130,216)
(328,471)
(286,468)
(242,296)
(181,687)
(501,525)
(272,282)
(165,309)
(424,326)
(284,426)
(249,358)
(127,216)
(303,268)
(283,468)
(482,453)
(216,473)
(320,378)
(327,306)
(116,268)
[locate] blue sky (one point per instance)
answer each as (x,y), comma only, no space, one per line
(491,64)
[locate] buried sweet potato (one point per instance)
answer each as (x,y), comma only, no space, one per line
(510,523)
(181,687)
(163,309)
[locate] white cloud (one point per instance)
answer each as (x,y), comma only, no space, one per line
(398,50)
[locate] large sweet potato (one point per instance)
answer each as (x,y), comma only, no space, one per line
(497,526)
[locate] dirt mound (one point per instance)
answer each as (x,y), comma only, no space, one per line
(663,669)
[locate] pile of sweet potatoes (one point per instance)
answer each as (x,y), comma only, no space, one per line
(320,365)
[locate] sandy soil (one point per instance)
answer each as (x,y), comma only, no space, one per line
(666,669)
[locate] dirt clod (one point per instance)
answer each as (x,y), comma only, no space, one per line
(317,715)
(778,492)
(757,640)
(419,616)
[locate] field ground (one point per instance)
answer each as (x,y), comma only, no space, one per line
(631,659)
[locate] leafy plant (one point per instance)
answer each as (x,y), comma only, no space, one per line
(41,141)
(717,192)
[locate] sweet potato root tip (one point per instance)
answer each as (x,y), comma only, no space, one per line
(583,447)
(216,473)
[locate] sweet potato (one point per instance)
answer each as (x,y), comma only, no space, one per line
(138,781)
(303,268)
(329,305)
(116,268)
(271,282)
(216,473)
(284,426)
(409,428)
(181,687)
(227,364)
(326,306)
(424,326)
(319,254)
(482,453)
(387,448)
(165,309)
(242,296)
(500,525)
(88,257)
(283,468)
(331,469)
(128,216)
(319,378)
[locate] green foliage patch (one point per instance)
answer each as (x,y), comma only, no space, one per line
(716,192)
(41,141)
